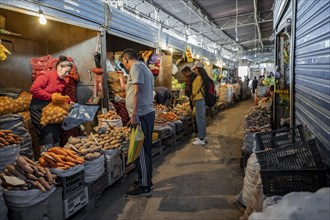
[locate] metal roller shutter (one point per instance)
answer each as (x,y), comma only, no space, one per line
(128,27)
(88,14)
(312,70)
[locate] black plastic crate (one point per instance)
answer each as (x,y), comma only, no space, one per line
(303,155)
(280,137)
(96,188)
(281,182)
(75,202)
(71,184)
(163,132)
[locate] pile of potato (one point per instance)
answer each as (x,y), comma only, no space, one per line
(92,146)
(8,138)
(20,104)
(111,115)
(28,175)
(54,114)
(161,107)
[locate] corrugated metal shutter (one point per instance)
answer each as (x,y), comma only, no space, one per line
(128,27)
(312,70)
(279,6)
(172,41)
(89,14)
(283,23)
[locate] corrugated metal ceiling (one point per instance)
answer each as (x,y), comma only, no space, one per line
(214,21)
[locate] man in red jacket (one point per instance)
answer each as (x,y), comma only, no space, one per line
(43,92)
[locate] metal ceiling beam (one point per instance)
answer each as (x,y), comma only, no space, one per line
(203,16)
(243,25)
(250,41)
(240,15)
(256,22)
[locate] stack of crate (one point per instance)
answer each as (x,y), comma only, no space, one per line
(181,131)
(289,161)
(166,135)
(114,167)
(75,193)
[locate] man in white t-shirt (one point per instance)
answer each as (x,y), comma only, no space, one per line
(139,104)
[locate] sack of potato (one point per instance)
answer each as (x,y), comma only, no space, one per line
(109,119)
(20,104)
(56,111)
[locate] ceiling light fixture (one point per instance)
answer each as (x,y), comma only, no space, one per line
(42,18)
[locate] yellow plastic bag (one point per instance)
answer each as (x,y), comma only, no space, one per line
(135,144)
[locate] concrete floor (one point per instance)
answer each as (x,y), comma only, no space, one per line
(191,182)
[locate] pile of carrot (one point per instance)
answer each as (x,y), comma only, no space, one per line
(61,158)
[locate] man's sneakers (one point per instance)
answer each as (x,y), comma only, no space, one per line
(138,183)
(199,142)
(139,192)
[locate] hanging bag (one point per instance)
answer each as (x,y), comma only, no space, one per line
(135,144)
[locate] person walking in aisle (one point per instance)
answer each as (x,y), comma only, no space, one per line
(254,84)
(139,104)
(199,102)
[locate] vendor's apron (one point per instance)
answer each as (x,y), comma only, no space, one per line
(48,135)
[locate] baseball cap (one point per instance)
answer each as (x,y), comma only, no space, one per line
(197,64)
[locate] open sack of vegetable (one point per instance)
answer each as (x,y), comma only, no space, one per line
(25,183)
(61,161)
(90,149)
(56,111)
(10,105)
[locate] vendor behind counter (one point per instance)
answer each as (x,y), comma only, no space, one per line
(163,96)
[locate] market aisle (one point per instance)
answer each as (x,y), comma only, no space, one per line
(191,182)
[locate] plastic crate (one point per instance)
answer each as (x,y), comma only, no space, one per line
(75,202)
(115,169)
(72,184)
(163,132)
(96,188)
(280,137)
(157,143)
(281,182)
(303,155)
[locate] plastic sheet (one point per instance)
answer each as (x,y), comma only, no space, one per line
(78,115)
(94,169)
(298,205)
(8,155)
(19,198)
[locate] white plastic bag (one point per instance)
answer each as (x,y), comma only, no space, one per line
(19,198)
(94,169)
(107,123)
